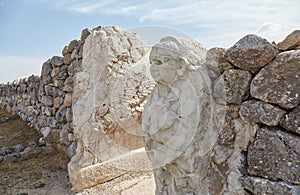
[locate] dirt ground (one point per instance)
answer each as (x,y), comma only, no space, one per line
(46,174)
(43,174)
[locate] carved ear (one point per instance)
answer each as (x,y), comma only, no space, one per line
(182,66)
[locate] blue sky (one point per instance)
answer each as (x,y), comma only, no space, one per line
(31,31)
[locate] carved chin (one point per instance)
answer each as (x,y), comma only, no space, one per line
(156,76)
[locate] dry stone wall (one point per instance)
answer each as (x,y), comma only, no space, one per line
(249,113)
(218,121)
(267,101)
(45,101)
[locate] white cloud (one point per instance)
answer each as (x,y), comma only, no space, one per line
(197,12)
(218,20)
(89,8)
(109,7)
(18,67)
(270,31)
(209,14)
(189,11)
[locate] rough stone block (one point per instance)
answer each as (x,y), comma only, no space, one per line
(279,81)
(292,41)
(291,121)
(233,86)
(251,53)
(275,155)
(57,61)
(258,185)
(255,111)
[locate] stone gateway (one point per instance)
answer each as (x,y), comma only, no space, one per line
(217,121)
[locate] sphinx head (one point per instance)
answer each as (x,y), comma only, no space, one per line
(173,57)
(167,62)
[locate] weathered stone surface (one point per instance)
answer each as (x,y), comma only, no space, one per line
(236,160)
(50,135)
(57,102)
(68,127)
(45,131)
(52,122)
(60,115)
(68,85)
(54,72)
(4,119)
(45,73)
(216,181)
(51,91)
(233,86)
(258,185)
(41,142)
(96,174)
(291,121)
(275,155)
(71,68)
(59,83)
(47,101)
(279,82)
(31,152)
(48,111)
(182,138)
(64,50)
(46,69)
(68,100)
(57,61)
(292,41)
(72,45)
(63,136)
(46,79)
(108,99)
(80,52)
(62,74)
(67,58)
(84,34)
(71,150)
(251,53)
(74,55)
(102,172)
(11,157)
(255,111)
(71,137)
(127,184)
(18,148)
(69,114)
(4,151)
(223,122)
(216,62)
(173,114)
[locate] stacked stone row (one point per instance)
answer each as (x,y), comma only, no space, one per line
(21,97)
(45,101)
(259,82)
(20,151)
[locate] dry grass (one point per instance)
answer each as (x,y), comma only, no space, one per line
(30,173)
(15,132)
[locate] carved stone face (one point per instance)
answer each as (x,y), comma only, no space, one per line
(164,66)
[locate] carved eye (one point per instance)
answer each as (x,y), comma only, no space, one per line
(158,62)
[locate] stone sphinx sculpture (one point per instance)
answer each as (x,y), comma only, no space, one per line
(178,134)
